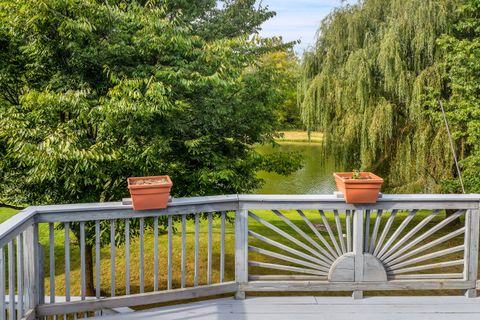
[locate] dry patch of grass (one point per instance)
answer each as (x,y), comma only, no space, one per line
(300,136)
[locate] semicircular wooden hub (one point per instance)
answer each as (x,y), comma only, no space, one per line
(343,269)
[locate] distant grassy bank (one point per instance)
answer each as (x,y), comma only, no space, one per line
(300,136)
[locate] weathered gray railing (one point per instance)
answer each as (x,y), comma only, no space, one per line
(279,243)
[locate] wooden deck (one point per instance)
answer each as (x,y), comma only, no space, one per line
(318,308)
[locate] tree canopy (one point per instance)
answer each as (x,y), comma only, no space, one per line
(287,75)
(96,91)
(462,89)
(372,83)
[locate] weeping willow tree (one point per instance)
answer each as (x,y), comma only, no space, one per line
(371,83)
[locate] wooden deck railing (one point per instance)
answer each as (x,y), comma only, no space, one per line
(233,244)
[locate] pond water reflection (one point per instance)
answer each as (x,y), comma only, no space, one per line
(316,177)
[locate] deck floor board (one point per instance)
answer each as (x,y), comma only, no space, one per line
(318,308)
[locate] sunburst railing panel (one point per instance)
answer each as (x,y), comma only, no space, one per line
(412,243)
(286,243)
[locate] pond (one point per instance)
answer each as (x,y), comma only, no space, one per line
(316,177)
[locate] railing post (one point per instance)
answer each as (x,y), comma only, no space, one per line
(33,276)
(472,218)
(358,241)
(241,250)
(40,271)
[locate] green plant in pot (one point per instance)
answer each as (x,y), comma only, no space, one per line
(358,186)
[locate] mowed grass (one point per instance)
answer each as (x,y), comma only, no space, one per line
(6,213)
(120,262)
(300,136)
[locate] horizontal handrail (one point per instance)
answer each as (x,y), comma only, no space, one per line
(16,224)
(387,201)
(117,210)
(178,206)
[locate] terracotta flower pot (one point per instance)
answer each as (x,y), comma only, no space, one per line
(363,190)
(149,192)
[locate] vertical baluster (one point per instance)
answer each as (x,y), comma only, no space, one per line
(210,240)
(97,259)
(394,236)
(169,278)
(67,262)
(82,261)
(330,233)
(184,244)
(466,239)
(155,254)
(373,240)
(112,258)
(241,250)
(32,274)
(367,228)
(326,256)
(51,237)
(339,230)
(222,247)
(358,242)
(20,260)
(385,232)
(349,230)
(11,281)
(142,255)
(40,262)
(127,256)
(97,262)
(197,248)
(2,284)
(472,223)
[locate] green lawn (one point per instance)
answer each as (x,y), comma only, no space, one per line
(229,251)
(6,213)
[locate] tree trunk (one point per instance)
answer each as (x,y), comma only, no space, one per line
(89,270)
(454,223)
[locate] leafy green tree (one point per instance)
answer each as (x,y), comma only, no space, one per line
(213,19)
(226,18)
(462,89)
(371,84)
(288,74)
(96,91)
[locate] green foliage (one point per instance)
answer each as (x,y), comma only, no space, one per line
(285,66)
(282,162)
(110,91)
(356,174)
(93,92)
(462,65)
(371,84)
